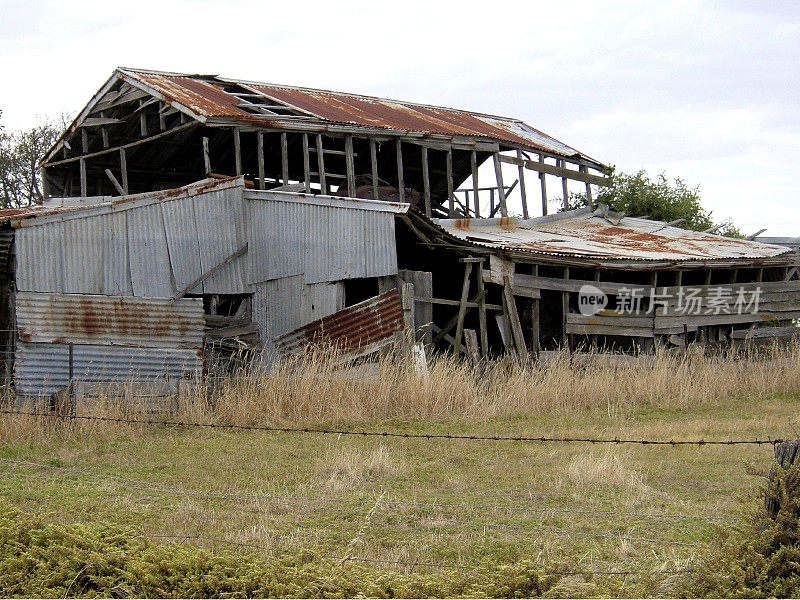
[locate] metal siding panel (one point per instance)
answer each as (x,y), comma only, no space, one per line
(83,254)
(220,233)
(109,320)
(320,300)
(39,258)
(380,247)
(151,273)
(184,248)
(277,306)
(43,369)
(276,234)
(116,270)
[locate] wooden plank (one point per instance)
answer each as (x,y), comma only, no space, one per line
(707,320)
(482,313)
(543,183)
(321,165)
(104,136)
(620,320)
(237,150)
(426,182)
(114,182)
(766,332)
(454,321)
(123,167)
(449,302)
(589,329)
(449,175)
(240,252)
(589,198)
(513,319)
(306,164)
(401,184)
(462,308)
(98,121)
(260,152)
(565,307)
(350,169)
(473,161)
(373,157)
(501,190)
(564,188)
(522,187)
(284,158)
(471,343)
(82,166)
(505,334)
(115,148)
(84,141)
(143,124)
(558,171)
(206,156)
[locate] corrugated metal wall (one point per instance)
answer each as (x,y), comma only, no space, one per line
(43,369)
(151,246)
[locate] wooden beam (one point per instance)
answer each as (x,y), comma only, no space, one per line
(564,188)
(449,175)
(321,165)
(473,161)
(84,141)
(260,152)
(501,190)
(114,182)
(82,166)
(522,187)
(143,124)
(240,252)
(589,198)
(454,321)
(348,157)
(284,158)
(237,150)
(482,312)
(558,171)
(116,148)
(426,182)
(513,318)
(462,308)
(306,164)
(543,182)
(123,167)
(535,326)
(373,157)
(104,136)
(206,156)
(401,183)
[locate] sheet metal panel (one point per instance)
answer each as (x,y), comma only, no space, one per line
(43,369)
(151,272)
(320,300)
(201,97)
(220,231)
(352,330)
(276,238)
(40,259)
(589,235)
(109,320)
(277,306)
(184,247)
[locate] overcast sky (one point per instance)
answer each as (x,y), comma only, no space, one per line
(705,91)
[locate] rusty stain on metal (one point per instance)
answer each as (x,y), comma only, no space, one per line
(204,95)
(590,236)
(349,330)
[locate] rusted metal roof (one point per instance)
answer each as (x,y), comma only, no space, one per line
(205,96)
(587,234)
(356,330)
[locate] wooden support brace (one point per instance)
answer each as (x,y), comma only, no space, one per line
(449,175)
(321,165)
(82,166)
(114,182)
(522,187)
(306,164)
(513,318)
(454,321)
(284,158)
(473,161)
(426,182)
(462,309)
(260,152)
(123,167)
(543,182)
(501,190)
(240,252)
(206,156)
(237,150)
(482,312)
(351,175)
(401,184)
(373,157)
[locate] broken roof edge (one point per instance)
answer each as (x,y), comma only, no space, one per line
(76,207)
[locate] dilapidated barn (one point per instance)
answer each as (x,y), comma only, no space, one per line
(189,215)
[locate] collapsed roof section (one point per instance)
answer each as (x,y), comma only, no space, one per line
(615,240)
(148,130)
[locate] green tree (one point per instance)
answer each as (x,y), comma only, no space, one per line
(20,151)
(637,195)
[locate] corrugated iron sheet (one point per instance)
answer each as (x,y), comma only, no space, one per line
(205,96)
(589,235)
(351,330)
(43,369)
(108,320)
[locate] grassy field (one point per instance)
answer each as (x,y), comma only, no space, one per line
(644,513)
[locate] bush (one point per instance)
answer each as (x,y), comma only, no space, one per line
(761,557)
(45,560)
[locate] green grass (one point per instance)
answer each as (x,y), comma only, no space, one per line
(462,504)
